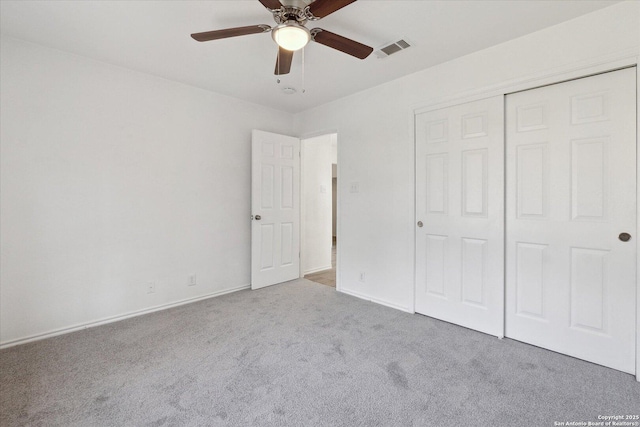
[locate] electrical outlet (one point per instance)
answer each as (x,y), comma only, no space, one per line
(363,276)
(151,287)
(354,187)
(192,280)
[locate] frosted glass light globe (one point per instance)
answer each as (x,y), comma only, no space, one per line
(291,36)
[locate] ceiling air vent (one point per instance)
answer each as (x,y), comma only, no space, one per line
(391,48)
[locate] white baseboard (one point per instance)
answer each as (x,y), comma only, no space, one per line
(316,270)
(392,305)
(117,318)
(354,294)
(376,300)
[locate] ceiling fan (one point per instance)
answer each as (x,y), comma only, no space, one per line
(290,32)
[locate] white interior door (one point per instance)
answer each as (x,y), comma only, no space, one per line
(571,191)
(275,209)
(460,215)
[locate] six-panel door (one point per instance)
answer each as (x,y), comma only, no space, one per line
(459,202)
(275,206)
(571,192)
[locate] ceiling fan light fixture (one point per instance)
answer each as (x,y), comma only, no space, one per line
(291,36)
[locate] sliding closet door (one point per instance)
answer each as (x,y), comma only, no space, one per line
(571,218)
(459,215)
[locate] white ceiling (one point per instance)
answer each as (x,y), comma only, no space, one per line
(153,37)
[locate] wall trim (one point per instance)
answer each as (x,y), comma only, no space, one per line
(609,62)
(316,270)
(393,305)
(310,135)
(354,294)
(377,301)
(113,319)
(637,220)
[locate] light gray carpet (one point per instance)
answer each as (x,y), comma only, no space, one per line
(299,354)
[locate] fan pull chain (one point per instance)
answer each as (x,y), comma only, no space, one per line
(304,87)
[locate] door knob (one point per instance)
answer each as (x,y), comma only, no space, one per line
(420,224)
(258,217)
(625,237)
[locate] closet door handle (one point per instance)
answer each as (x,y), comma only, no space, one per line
(420,224)
(258,217)
(625,237)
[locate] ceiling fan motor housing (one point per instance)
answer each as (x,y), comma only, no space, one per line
(291,14)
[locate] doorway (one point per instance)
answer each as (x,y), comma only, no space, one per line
(319,208)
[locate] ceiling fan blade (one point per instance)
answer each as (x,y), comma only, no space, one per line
(271,4)
(230,32)
(322,8)
(283,61)
(340,43)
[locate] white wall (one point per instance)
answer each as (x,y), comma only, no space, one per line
(334,149)
(334,184)
(376,140)
(110,179)
(316,203)
(334,203)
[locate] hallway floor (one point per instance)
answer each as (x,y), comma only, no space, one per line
(326,277)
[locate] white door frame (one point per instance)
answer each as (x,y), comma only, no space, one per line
(624,59)
(302,204)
